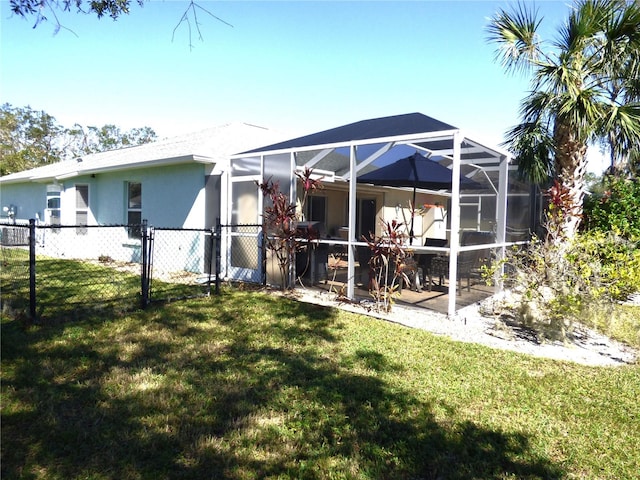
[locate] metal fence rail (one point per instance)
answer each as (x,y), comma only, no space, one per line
(62,270)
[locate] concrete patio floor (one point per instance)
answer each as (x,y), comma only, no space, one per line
(436,299)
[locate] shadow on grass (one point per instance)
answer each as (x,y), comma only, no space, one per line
(238,386)
(68,290)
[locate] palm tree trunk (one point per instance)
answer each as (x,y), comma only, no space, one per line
(571,167)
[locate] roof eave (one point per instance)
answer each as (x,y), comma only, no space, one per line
(149,163)
(183,159)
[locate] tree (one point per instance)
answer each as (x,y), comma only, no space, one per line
(584,90)
(615,209)
(41,9)
(31,138)
(27,139)
(80,141)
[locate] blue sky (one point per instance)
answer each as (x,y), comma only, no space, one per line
(298,66)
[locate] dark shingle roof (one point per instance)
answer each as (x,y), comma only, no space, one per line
(397,125)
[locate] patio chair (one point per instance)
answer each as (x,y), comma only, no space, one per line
(425,260)
(469,262)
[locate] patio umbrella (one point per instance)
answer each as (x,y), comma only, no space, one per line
(415,171)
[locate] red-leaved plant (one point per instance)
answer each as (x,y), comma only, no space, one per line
(388,254)
(280,223)
(561,207)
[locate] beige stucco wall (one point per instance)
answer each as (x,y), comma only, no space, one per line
(391,204)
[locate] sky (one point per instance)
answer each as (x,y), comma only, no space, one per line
(293,66)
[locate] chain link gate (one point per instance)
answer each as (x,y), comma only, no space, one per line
(179,263)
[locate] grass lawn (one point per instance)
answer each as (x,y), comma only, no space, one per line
(73,288)
(246,385)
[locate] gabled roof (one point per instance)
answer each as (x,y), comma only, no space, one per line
(384,127)
(212,145)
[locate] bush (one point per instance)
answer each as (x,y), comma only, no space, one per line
(388,255)
(615,262)
(563,279)
(616,210)
(556,284)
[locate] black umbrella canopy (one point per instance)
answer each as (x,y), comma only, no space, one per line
(415,171)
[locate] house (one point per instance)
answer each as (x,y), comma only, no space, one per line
(190,181)
(172,183)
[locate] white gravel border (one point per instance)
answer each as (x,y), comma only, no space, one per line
(588,347)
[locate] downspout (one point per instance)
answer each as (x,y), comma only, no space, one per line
(262,240)
(225,217)
(454,242)
(293,196)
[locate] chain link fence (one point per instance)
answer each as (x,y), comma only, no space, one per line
(63,271)
(14,267)
(182,263)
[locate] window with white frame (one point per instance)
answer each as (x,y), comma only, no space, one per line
(82,209)
(134,209)
(52,212)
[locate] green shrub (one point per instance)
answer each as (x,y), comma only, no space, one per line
(559,283)
(614,261)
(616,210)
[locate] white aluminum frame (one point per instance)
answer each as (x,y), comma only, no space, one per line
(485,155)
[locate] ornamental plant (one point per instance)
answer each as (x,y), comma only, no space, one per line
(282,237)
(388,254)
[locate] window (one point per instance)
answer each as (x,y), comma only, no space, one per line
(52,212)
(82,208)
(366,218)
(316,209)
(134,209)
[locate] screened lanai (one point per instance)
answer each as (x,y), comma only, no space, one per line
(476,208)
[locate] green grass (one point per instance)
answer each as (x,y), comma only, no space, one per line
(68,289)
(619,321)
(247,386)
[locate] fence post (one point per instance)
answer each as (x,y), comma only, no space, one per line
(144,277)
(262,252)
(218,260)
(210,269)
(32,269)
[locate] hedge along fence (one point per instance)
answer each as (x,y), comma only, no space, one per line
(56,270)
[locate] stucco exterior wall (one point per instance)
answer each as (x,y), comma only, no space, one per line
(29,199)
(172,196)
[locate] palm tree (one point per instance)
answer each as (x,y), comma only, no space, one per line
(584,91)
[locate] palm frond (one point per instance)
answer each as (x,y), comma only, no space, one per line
(516,35)
(562,77)
(581,111)
(622,23)
(535,107)
(583,22)
(532,146)
(624,120)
